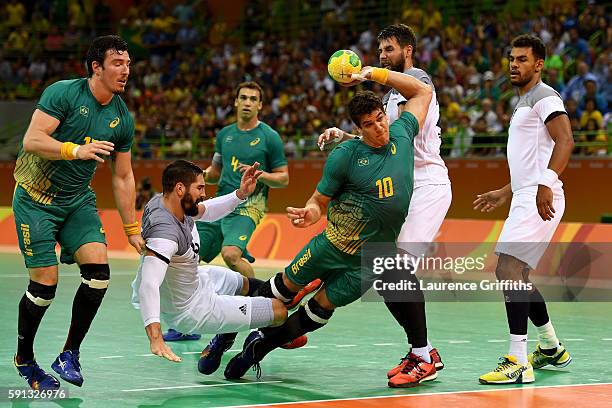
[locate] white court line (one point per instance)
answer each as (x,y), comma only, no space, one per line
(346,345)
(146,355)
(309,347)
(383,344)
(199,386)
(191,352)
(459,341)
(234,350)
(606,339)
(111,357)
(573,339)
(496,341)
(524,387)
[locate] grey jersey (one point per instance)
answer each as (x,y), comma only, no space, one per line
(158,222)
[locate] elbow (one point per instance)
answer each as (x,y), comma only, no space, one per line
(284,182)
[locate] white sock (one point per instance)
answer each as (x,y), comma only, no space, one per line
(423,353)
(547,336)
(518,347)
(429,346)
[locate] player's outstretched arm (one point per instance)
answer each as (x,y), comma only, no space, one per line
(38,140)
(212,172)
(491,200)
(311,213)
(560,131)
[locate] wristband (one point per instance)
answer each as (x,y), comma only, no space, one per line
(69,150)
(132,229)
(380,75)
(548,178)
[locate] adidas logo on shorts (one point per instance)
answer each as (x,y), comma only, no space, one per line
(243,309)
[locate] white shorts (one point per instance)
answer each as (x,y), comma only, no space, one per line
(219,309)
(525,234)
(428,207)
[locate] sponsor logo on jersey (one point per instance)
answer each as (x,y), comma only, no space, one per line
(393,148)
(84,110)
(255,142)
(364,161)
(242,237)
(114,123)
(295,268)
(102,230)
(243,309)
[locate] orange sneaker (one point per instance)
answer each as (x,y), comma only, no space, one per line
(296,343)
(311,287)
(415,372)
(433,354)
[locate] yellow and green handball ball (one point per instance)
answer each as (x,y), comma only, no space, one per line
(342,64)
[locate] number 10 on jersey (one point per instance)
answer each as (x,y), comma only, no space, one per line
(385,187)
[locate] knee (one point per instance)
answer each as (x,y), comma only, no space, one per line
(280,312)
(44,276)
(231,256)
(94,280)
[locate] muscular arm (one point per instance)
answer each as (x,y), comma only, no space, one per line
(277,178)
(212,173)
(560,131)
(124,188)
(38,140)
(417,94)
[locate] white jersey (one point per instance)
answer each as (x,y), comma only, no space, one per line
(177,244)
(429,168)
(529,143)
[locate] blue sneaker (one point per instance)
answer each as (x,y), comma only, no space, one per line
(210,360)
(240,363)
(173,335)
(36,377)
(68,367)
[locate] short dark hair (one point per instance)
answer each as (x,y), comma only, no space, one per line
(98,48)
(363,103)
(531,41)
(402,33)
(179,171)
(251,85)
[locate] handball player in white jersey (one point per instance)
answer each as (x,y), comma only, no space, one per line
(540,143)
(432,193)
(170,285)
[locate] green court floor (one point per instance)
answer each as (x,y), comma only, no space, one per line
(346,359)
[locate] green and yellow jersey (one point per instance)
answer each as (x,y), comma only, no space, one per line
(261,144)
(82,120)
(370,188)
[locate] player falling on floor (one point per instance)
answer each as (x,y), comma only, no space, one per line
(432,189)
(77,123)
(171,286)
(540,143)
(366,187)
(240,144)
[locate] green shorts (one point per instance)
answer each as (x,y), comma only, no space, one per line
(340,272)
(40,227)
(232,230)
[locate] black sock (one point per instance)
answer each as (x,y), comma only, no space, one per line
(254,284)
(279,291)
(30,316)
(297,324)
(411,316)
(86,302)
(517,311)
(537,309)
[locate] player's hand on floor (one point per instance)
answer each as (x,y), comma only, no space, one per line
(161,349)
(137,242)
(544,202)
(487,202)
(90,151)
(329,136)
(301,217)
(249,180)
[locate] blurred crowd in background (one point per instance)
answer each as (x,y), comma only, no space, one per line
(186,64)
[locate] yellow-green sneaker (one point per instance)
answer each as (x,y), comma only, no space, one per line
(509,371)
(560,359)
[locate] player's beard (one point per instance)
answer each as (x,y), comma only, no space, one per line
(189,205)
(399,65)
(521,81)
